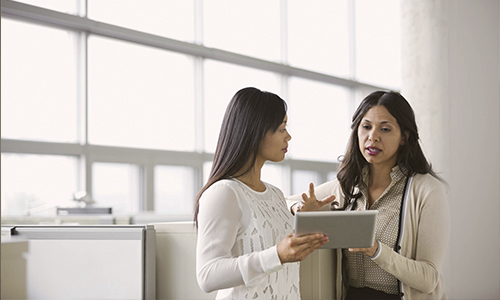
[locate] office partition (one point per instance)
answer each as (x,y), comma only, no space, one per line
(89,262)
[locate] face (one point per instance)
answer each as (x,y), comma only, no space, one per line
(274,144)
(379,137)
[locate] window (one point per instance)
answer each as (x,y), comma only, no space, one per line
(329,125)
(318,36)
(301,180)
(37,184)
(222,81)
(378,53)
(174,190)
(172,18)
(39,96)
(64,6)
(246,27)
(117,186)
(131,91)
(125,102)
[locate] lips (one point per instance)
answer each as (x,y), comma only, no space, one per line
(285,150)
(373,150)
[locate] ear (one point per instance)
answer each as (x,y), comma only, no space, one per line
(404,137)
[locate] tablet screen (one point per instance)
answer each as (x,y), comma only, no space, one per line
(345,229)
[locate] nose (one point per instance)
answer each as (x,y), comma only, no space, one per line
(288,137)
(374,136)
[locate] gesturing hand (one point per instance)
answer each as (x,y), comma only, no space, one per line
(311,203)
(292,249)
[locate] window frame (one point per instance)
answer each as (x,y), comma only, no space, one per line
(147,159)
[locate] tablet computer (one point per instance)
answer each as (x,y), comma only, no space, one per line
(345,229)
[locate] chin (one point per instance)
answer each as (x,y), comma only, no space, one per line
(369,159)
(278,159)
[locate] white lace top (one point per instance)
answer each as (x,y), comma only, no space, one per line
(238,230)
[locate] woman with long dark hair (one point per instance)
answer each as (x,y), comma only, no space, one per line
(245,248)
(385,169)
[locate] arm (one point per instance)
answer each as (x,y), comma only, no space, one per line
(421,271)
(219,220)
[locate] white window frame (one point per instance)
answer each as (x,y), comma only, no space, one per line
(147,159)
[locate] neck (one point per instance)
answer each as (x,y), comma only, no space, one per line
(252,178)
(380,176)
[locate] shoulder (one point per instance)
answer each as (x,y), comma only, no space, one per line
(426,188)
(224,184)
(222,190)
(426,182)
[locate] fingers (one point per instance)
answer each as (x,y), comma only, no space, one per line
(302,250)
(311,193)
(293,249)
(362,250)
(311,190)
(308,238)
(328,199)
(312,242)
(368,251)
(304,197)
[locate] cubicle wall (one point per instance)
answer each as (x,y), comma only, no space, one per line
(89,262)
(155,261)
(176,262)
(176,266)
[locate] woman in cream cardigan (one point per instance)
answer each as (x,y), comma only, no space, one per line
(385,169)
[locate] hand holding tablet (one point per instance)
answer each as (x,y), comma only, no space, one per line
(345,229)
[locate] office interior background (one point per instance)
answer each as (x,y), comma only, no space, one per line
(123,100)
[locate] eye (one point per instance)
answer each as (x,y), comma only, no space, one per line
(385,129)
(283,129)
(366,126)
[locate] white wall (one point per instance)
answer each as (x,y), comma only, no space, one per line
(451,76)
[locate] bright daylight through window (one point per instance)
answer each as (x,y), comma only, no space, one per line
(125,104)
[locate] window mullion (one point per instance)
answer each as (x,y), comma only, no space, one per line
(352,38)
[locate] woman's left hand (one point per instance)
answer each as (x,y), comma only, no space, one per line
(367,251)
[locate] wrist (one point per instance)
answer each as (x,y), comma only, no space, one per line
(377,251)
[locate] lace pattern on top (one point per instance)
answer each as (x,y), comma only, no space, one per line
(270,223)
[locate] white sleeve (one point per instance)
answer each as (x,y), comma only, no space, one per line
(219,220)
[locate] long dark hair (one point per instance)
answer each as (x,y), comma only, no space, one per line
(249,116)
(410,157)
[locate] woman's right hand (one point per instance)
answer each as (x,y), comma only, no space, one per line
(293,249)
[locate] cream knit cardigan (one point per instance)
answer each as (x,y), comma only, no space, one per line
(425,229)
